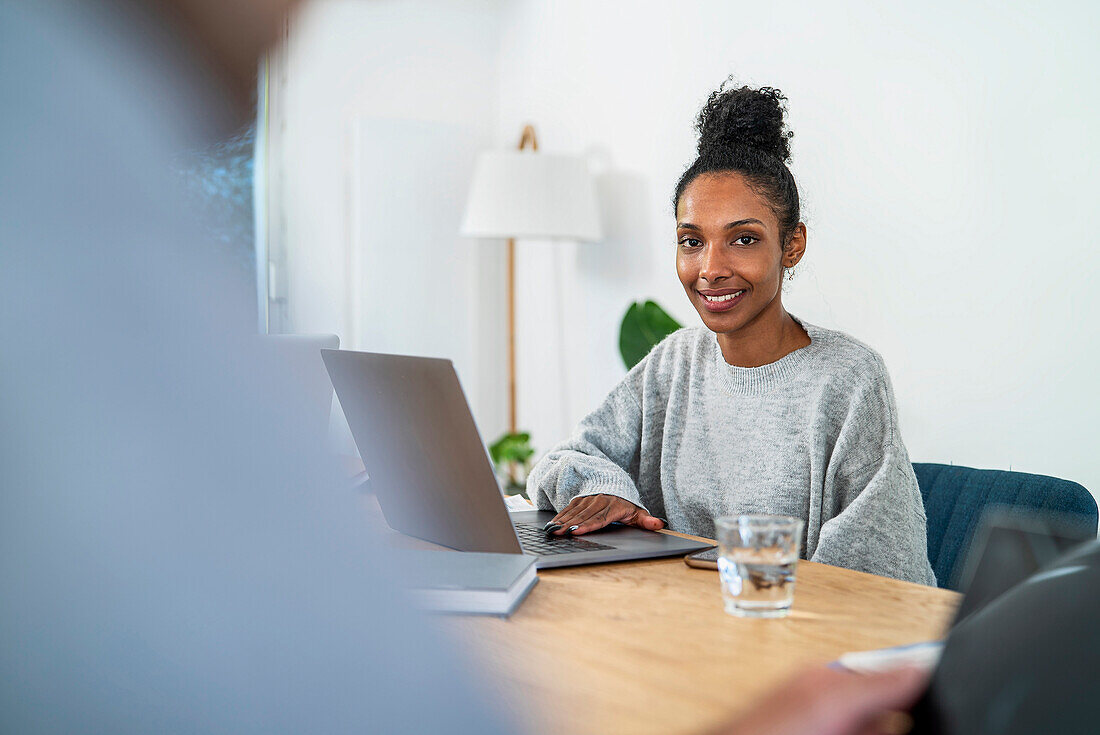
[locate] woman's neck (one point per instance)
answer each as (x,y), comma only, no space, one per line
(769,337)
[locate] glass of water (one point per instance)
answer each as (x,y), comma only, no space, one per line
(756,563)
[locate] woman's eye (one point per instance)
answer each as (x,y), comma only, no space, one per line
(746,240)
(690,242)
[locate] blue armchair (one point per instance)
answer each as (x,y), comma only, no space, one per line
(955,497)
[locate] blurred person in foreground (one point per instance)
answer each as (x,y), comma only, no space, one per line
(174,557)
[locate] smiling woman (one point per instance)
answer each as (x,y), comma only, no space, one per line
(756,412)
(732,269)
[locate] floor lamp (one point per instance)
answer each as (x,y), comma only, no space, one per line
(522,193)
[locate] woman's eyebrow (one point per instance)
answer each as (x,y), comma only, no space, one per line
(741,222)
(730,226)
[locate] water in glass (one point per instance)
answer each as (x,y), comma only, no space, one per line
(756,564)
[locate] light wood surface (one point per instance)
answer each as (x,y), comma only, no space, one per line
(646,647)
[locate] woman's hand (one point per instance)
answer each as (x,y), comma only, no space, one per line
(592,512)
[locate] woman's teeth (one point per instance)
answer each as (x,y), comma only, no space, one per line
(727,297)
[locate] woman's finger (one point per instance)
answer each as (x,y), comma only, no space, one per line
(579,507)
(586,514)
(600,516)
(569,510)
(593,506)
(616,510)
(641,519)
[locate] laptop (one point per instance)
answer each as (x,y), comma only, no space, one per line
(1023,652)
(432,474)
(1010,546)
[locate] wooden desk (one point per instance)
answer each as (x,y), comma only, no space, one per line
(645,647)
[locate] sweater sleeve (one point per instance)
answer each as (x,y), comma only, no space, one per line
(873,515)
(601,457)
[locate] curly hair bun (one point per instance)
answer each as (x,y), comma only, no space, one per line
(745,117)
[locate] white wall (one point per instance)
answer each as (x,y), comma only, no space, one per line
(385,105)
(944,152)
(947,156)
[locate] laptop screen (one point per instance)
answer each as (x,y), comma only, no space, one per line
(1024,653)
(1009,548)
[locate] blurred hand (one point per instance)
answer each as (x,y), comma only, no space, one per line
(828,702)
(592,512)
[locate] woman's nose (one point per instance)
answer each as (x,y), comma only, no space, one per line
(715,265)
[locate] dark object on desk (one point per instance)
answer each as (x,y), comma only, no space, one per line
(431,473)
(457,582)
(1012,548)
(1027,662)
(955,498)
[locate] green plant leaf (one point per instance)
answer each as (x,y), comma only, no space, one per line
(511,448)
(644,325)
(511,455)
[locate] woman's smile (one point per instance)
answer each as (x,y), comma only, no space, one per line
(721,300)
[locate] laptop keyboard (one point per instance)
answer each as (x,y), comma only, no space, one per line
(535,541)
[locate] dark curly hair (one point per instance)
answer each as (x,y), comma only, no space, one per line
(741,130)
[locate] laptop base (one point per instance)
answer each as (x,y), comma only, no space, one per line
(628,542)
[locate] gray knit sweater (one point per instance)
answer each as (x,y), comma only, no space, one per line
(814,435)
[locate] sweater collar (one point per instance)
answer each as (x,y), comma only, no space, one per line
(762,379)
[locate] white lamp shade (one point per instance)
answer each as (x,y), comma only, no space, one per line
(537,195)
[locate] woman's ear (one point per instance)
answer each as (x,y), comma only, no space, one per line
(796,247)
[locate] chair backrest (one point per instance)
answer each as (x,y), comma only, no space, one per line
(955,498)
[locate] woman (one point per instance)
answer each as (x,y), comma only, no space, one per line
(758,412)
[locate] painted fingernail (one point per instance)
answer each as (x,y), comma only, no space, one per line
(551,527)
(572,529)
(662,520)
(548,524)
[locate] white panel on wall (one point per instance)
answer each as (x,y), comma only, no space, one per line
(405,64)
(414,278)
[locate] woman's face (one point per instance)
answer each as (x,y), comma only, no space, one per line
(729,255)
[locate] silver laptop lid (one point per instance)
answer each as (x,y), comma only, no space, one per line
(422,450)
